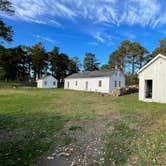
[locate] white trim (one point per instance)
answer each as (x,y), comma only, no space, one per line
(149,63)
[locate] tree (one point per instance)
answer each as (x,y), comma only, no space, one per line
(161,49)
(90,62)
(64,63)
(136,55)
(59,64)
(74,65)
(39,59)
(23,72)
(105,67)
(13,63)
(119,56)
(6,32)
(115,59)
(2,69)
(123,51)
(54,60)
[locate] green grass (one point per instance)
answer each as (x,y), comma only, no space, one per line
(32,120)
(11,84)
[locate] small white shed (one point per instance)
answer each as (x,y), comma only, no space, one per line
(95,81)
(47,82)
(152,80)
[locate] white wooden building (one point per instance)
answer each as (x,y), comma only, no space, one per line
(152,80)
(47,82)
(96,81)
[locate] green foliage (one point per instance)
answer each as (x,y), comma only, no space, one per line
(74,65)
(21,63)
(61,65)
(161,49)
(132,79)
(13,64)
(6,32)
(105,67)
(118,57)
(136,56)
(129,54)
(90,62)
(39,59)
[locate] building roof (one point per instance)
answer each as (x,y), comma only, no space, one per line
(46,76)
(91,74)
(149,63)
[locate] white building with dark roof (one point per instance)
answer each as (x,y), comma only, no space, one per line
(95,81)
(47,82)
(152,80)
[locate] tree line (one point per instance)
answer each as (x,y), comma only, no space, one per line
(23,63)
(131,56)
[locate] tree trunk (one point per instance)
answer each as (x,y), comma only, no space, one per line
(34,75)
(133,65)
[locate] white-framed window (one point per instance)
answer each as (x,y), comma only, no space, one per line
(45,82)
(76,83)
(115,84)
(54,83)
(68,84)
(86,84)
(100,83)
(119,83)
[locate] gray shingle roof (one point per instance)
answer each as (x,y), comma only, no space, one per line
(89,74)
(45,76)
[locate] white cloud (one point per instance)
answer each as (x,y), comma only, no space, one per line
(99,38)
(141,12)
(87,14)
(43,38)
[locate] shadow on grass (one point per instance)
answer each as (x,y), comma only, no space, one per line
(26,137)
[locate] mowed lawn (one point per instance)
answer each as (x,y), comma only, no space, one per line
(32,121)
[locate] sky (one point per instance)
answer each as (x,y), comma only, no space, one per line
(80,26)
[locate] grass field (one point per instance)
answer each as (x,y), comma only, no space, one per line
(11,84)
(33,120)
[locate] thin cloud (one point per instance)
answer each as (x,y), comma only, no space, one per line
(43,38)
(115,12)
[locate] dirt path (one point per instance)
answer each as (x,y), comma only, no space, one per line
(87,146)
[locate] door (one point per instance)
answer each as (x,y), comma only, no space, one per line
(148,89)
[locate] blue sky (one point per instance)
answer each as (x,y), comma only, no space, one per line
(80,26)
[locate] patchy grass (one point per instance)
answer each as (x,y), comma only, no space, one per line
(118,144)
(11,84)
(74,128)
(139,137)
(32,120)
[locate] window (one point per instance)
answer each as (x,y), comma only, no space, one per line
(45,82)
(68,84)
(86,85)
(76,83)
(54,83)
(100,83)
(119,83)
(115,84)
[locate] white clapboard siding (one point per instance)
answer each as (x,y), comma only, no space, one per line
(47,82)
(155,70)
(103,84)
